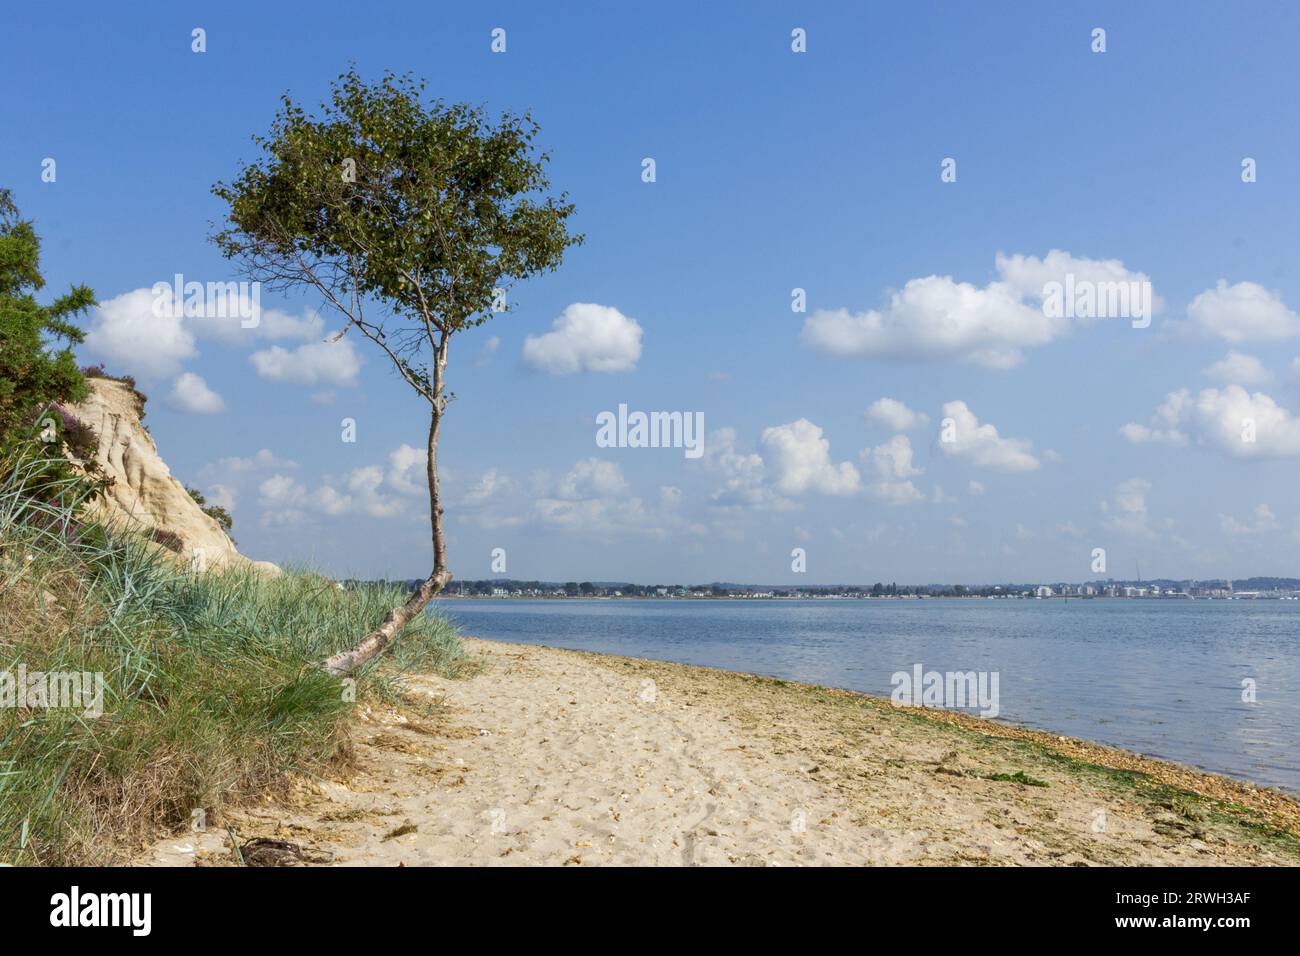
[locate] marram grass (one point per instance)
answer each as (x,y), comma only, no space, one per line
(212,691)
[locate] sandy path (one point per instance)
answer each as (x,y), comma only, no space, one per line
(555,757)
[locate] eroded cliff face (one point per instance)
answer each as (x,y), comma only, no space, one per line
(142,495)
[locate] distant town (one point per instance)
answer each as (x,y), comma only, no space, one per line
(1257,588)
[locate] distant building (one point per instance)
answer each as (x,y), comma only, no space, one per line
(1043,591)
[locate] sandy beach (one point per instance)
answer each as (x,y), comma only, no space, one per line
(556,757)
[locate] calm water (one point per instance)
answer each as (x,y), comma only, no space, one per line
(1162,678)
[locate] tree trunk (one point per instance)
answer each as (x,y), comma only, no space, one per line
(377,640)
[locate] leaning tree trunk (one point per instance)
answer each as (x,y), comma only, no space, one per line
(377,640)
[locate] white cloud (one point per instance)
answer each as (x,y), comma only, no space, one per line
(490,485)
(286,500)
(282,499)
(1238,423)
(1222,419)
(981,445)
(190,393)
(220,320)
(1245,312)
(1139,434)
(743,474)
(1164,428)
(294,504)
(364,486)
(593,498)
(592,478)
(1030,276)
(975,487)
(891,464)
(1237,368)
(228,313)
(893,459)
(126,333)
(316,363)
(595,515)
(586,338)
(896,416)
(330,500)
(281,490)
(275,324)
(144,334)
(402,461)
(264,459)
(223,496)
(488,350)
(936,317)
(1127,509)
(896,492)
(1265,521)
(799,458)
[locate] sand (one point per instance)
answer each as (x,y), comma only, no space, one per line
(553,757)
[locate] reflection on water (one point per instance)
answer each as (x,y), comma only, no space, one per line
(1162,678)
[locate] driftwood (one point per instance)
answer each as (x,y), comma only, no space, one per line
(263,851)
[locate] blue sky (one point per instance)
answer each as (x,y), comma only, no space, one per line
(775,170)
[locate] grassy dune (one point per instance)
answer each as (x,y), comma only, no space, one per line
(211,689)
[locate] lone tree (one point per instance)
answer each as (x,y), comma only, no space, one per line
(411,219)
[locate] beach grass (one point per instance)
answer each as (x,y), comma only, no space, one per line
(211,691)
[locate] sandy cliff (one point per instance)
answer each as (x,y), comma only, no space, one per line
(142,494)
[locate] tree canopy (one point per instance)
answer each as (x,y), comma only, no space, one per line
(426,209)
(37,365)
